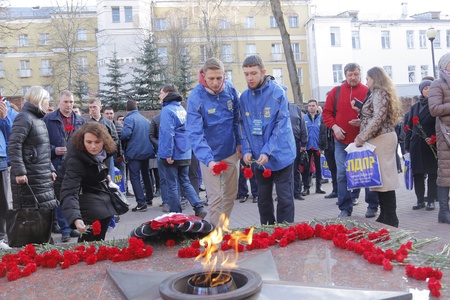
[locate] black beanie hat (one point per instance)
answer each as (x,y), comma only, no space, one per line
(423,84)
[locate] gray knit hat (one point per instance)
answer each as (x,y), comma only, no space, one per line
(444,61)
(423,84)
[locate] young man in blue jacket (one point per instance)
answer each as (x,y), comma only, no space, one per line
(174,152)
(267,140)
(212,126)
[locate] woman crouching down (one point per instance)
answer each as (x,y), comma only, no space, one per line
(378,115)
(81,181)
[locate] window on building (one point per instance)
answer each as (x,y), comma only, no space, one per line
(411,73)
(184,23)
(385,39)
(300,75)
(356,43)
(23,40)
(437,40)
(46,69)
(296,50)
(229,75)
(161,24)
(82,35)
(410,39)
(423,71)
(25,89)
(128,13)
(423,38)
(250,49)
(44,39)
(337,74)
(335,35)
(24,68)
(277,53)
(447,38)
(226,53)
(203,53)
(388,70)
(293,22)
(163,55)
(83,68)
(224,24)
(115,12)
(249,22)
(49,89)
(273,22)
(2,70)
(278,74)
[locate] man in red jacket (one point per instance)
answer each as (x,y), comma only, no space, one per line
(339,115)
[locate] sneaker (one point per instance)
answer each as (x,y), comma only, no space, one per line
(65,237)
(299,197)
(331,195)
(4,246)
(344,214)
(255,199)
(200,212)
(430,206)
(165,207)
(156,193)
(371,213)
(74,233)
(183,202)
(355,201)
(55,228)
(130,194)
(244,198)
(117,219)
(149,202)
(140,208)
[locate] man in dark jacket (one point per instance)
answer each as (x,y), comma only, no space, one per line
(138,151)
(61,124)
(301,139)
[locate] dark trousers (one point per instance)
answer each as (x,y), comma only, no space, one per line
(297,173)
(3,202)
(312,154)
(138,168)
(329,155)
(284,186)
(242,184)
(419,187)
(89,235)
(388,208)
(193,173)
(155,177)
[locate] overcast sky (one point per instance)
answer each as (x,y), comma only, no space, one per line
(365,7)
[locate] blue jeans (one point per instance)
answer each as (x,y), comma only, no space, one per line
(64,227)
(177,177)
(242,187)
(344,197)
(371,197)
(162,182)
(284,186)
(138,168)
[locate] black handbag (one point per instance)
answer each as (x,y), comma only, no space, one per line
(304,159)
(29,225)
(118,199)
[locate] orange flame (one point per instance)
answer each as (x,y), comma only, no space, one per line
(212,245)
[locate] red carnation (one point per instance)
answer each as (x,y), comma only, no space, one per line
(170,243)
(69,128)
(432,139)
(248,173)
(220,167)
(406,128)
(267,173)
(96,227)
(415,120)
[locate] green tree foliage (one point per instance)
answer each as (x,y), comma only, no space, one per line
(148,78)
(184,79)
(114,94)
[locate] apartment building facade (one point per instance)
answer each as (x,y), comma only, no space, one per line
(50,47)
(400,46)
(201,29)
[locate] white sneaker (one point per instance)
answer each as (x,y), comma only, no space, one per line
(4,246)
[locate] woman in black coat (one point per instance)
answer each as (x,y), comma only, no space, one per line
(423,160)
(80,183)
(29,153)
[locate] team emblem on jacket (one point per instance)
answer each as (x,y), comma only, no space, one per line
(230,104)
(247,114)
(211,111)
(266,112)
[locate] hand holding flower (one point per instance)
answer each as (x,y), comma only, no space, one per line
(81,227)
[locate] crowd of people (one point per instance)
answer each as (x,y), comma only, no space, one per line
(225,138)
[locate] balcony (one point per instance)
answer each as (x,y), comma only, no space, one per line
(277,56)
(25,73)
